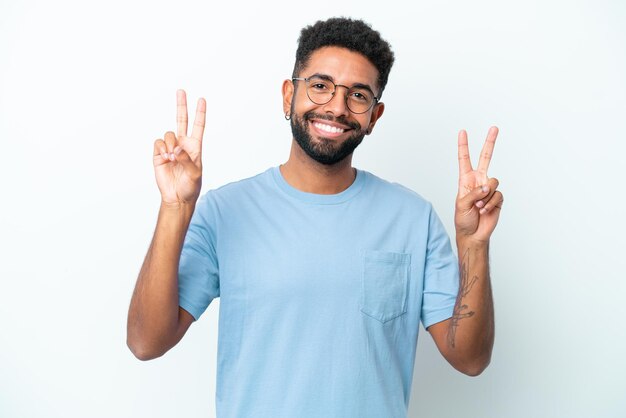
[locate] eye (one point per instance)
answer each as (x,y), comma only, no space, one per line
(319,86)
(359,95)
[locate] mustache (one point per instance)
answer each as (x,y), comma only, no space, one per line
(312,115)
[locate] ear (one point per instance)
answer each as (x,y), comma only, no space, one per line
(377,112)
(287,91)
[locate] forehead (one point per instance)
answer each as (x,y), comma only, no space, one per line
(344,66)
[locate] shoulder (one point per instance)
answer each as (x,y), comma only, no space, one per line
(239,189)
(237,199)
(394,193)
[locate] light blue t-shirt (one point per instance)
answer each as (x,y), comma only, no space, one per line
(321,295)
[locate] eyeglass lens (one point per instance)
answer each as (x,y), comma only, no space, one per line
(321,91)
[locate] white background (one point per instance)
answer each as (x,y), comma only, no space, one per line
(86,88)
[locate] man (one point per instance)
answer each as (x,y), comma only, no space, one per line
(324,271)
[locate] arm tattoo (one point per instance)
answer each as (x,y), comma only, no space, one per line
(461,311)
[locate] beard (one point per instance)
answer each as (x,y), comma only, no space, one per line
(325,150)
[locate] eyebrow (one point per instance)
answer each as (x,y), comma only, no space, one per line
(330,78)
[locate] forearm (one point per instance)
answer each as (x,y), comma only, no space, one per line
(153,314)
(466,339)
(470,333)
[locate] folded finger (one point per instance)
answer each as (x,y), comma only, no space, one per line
(160,152)
(492,185)
(170,141)
(495,203)
(170,144)
(159,147)
(469,201)
(183,158)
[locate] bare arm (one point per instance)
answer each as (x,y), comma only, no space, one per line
(155,321)
(466,340)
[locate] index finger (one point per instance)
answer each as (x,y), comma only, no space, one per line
(487,151)
(181,113)
(199,121)
(465,164)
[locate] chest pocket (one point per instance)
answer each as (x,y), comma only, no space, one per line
(385,282)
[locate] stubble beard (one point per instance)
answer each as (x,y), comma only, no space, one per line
(324,150)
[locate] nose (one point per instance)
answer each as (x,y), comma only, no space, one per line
(338,105)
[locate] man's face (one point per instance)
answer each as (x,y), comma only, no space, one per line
(330,132)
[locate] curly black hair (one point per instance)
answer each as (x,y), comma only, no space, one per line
(354,35)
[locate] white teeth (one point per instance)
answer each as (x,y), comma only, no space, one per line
(328,128)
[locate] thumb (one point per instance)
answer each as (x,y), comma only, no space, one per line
(182,157)
(467,202)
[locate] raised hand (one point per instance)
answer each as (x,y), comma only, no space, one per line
(178,158)
(478,203)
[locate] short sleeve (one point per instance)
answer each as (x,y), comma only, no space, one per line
(198,272)
(441,275)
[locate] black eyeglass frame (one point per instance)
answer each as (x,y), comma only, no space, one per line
(306,79)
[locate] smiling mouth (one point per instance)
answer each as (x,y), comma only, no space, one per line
(328,128)
(328,131)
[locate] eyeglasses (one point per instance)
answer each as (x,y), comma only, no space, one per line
(321,90)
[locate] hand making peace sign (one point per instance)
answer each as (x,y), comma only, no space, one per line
(178,158)
(478,203)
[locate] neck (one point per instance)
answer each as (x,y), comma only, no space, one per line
(307,175)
